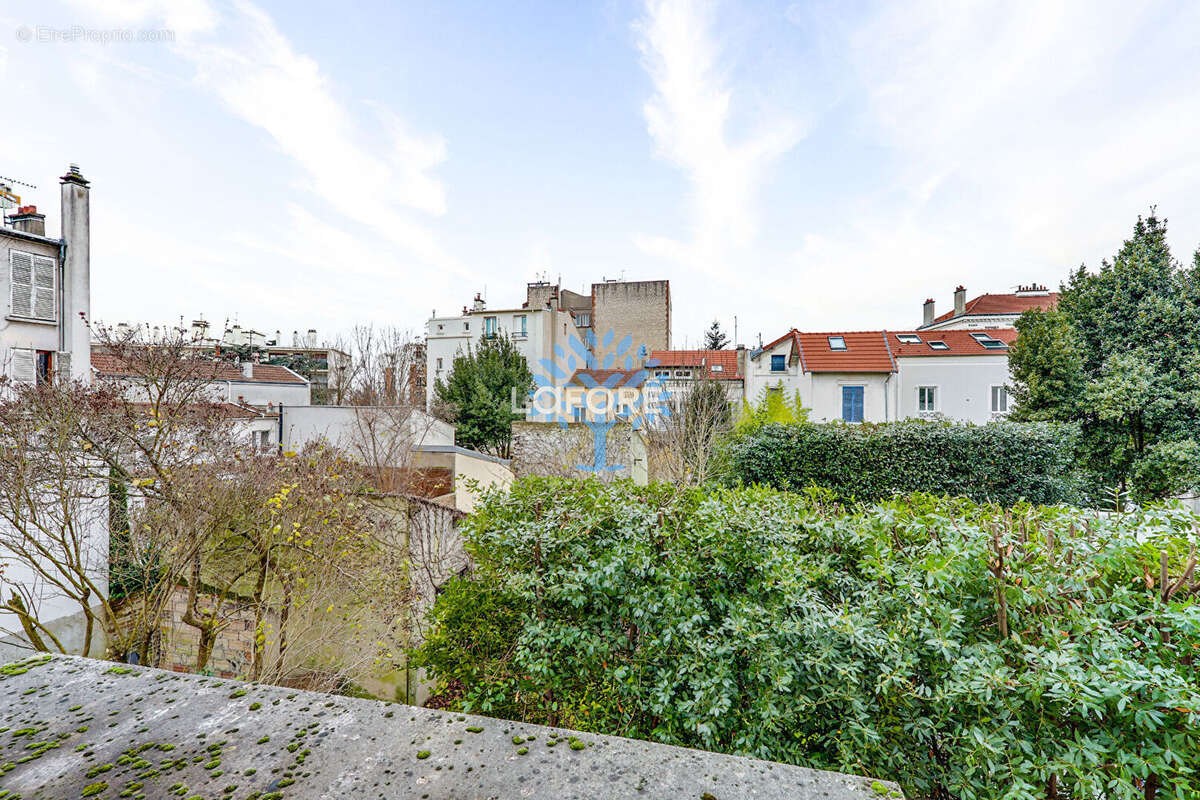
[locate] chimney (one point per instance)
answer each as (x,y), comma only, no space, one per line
(960,301)
(478,305)
(75,338)
(311,340)
(295,338)
(929,312)
(248,369)
(28,220)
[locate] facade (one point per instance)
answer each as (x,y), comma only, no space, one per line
(535,332)
(987,310)
(884,376)
(680,370)
(45,283)
(640,309)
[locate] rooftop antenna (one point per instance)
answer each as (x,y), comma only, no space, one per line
(9,198)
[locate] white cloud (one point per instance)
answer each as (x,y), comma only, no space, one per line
(689,117)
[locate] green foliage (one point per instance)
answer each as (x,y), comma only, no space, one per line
(1001,462)
(771,407)
(477,395)
(1122,358)
(714,337)
(968,651)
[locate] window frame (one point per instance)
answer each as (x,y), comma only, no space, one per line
(1003,394)
(780,360)
(862,403)
(935,406)
(34,288)
(837,348)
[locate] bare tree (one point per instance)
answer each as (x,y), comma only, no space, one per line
(683,446)
(386,368)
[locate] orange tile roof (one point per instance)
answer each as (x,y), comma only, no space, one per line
(609,378)
(105,363)
(1003,304)
(959,342)
(866,351)
(727,360)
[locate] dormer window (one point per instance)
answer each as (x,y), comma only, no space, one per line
(837,342)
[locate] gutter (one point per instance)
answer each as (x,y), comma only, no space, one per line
(62,297)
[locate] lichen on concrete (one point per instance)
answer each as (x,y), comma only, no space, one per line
(73,727)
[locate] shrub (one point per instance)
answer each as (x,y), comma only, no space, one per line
(967,651)
(1001,462)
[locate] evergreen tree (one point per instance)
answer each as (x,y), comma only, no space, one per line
(477,395)
(715,338)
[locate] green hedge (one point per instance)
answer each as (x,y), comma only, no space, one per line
(970,652)
(1001,462)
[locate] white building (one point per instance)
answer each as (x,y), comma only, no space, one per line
(45,286)
(535,332)
(988,310)
(884,376)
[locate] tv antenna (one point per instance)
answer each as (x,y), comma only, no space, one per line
(9,198)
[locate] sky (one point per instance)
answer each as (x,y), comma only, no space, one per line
(824,166)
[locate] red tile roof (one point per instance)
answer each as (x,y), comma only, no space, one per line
(959,342)
(610,378)
(726,360)
(106,363)
(866,351)
(1003,304)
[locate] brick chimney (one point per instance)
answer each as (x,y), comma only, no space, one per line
(929,313)
(28,220)
(960,301)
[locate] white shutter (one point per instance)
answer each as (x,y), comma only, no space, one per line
(24,366)
(21,266)
(43,287)
(62,366)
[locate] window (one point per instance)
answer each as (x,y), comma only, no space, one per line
(662,373)
(778,363)
(683,373)
(441,326)
(717,368)
(520,325)
(45,366)
(926,398)
(466,326)
(489,326)
(583,319)
(837,342)
(992,344)
(999,400)
(908,338)
(938,346)
(439,363)
(977,336)
(32,286)
(852,403)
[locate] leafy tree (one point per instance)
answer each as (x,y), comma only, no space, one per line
(772,407)
(715,338)
(969,652)
(477,395)
(1122,357)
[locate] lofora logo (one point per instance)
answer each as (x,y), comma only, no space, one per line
(599,382)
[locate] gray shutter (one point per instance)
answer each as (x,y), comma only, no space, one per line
(24,366)
(43,287)
(62,366)
(22,283)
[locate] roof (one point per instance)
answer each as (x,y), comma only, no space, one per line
(866,351)
(990,304)
(710,360)
(352,748)
(608,378)
(108,364)
(959,342)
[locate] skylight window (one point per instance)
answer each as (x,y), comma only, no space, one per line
(939,346)
(977,336)
(837,342)
(992,344)
(717,368)
(908,338)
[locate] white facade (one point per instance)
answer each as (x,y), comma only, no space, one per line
(45,291)
(964,388)
(353,428)
(534,331)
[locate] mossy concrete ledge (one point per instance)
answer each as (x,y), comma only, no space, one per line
(74,728)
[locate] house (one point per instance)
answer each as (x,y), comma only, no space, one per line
(883,376)
(988,310)
(45,284)
(680,370)
(245,383)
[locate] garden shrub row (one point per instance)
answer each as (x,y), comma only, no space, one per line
(967,651)
(1001,462)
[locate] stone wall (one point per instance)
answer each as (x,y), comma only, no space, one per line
(641,309)
(547,448)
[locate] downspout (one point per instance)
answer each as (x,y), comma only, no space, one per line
(279,445)
(62,297)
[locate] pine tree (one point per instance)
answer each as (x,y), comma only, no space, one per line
(715,338)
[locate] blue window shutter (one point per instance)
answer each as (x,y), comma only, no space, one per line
(852,403)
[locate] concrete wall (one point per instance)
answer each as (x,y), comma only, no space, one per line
(825,397)
(641,309)
(355,429)
(259,393)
